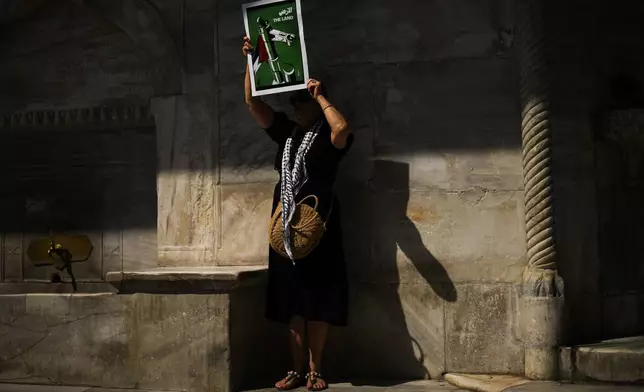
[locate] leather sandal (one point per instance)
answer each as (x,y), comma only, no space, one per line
(312,378)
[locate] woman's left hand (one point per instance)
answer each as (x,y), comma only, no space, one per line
(315,88)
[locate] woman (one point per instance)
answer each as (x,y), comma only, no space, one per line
(312,293)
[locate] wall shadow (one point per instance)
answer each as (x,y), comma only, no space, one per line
(396,314)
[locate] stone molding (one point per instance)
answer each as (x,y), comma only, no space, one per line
(102,117)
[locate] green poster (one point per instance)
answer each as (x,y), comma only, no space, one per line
(278,62)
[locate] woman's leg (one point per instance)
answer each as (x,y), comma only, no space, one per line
(316,334)
(297,329)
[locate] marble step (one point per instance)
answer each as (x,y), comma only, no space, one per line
(617,360)
(505,383)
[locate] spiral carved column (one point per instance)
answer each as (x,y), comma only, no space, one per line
(542,294)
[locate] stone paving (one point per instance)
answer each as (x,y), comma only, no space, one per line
(416,386)
(50,388)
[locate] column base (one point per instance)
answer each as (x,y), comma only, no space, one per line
(541,313)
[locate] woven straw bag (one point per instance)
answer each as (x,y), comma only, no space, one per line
(307,228)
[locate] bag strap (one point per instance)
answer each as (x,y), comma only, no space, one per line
(315,207)
(328,215)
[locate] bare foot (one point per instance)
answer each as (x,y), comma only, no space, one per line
(291,381)
(315,382)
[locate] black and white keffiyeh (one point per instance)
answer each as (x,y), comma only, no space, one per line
(293,179)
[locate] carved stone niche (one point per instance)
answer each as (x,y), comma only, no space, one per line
(622,142)
(619,162)
(85,171)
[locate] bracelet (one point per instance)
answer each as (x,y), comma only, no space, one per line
(328,106)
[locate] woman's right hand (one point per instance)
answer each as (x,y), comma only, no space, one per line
(247,48)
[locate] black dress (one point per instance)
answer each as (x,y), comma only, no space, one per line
(316,287)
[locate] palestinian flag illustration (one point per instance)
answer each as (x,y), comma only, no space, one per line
(260,55)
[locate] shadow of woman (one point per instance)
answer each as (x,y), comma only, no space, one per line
(391,185)
(396,324)
(411,244)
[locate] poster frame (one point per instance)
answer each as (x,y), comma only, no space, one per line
(305,63)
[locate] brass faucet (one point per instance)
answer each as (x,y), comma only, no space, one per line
(65,258)
(60,251)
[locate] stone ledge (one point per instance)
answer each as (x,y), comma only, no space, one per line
(20,288)
(187,279)
(184,341)
(223,273)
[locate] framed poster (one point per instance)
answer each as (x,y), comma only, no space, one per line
(278,63)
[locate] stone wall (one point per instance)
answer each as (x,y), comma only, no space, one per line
(431,191)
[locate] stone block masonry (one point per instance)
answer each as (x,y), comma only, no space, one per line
(143,339)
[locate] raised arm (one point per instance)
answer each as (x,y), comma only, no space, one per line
(340,130)
(260,110)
